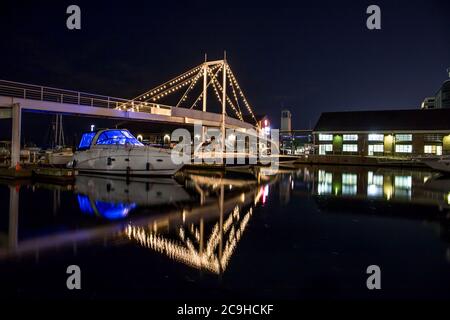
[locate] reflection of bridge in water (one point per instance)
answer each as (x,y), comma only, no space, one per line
(200,224)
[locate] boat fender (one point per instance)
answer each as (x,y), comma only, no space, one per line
(147,166)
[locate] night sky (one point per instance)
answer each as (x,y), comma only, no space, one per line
(309,57)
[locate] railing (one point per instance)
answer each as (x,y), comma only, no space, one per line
(40,93)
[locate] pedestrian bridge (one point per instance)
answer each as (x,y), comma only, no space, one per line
(185,91)
(53,100)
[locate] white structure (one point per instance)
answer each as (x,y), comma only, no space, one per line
(286,121)
(117,151)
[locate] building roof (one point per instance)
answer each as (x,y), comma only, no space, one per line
(388,120)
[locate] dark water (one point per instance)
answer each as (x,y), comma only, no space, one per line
(301,234)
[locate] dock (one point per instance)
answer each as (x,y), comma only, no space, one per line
(39,173)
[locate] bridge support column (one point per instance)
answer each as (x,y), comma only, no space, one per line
(16,131)
(13,216)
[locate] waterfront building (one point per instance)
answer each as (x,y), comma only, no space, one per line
(296,142)
(384,133)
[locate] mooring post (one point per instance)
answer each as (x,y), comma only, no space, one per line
(15,137)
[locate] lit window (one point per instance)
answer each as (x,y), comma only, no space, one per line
(378,148)
(350,148)
(350,137)
(325,137)
(403,148)
(433,149)
(376,137)
(403,137)
(324,148)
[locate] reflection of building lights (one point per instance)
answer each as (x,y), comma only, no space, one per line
(374,184)
(140,137)
(325,179)
(243,197)
(448,198)
(265,193)
(403,186)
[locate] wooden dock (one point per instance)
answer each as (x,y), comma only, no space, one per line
(39,173)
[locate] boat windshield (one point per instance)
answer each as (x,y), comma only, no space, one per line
(117,137)
(86,140)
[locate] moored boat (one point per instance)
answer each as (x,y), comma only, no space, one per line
(117,151)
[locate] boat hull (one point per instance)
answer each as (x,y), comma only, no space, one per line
(140,161)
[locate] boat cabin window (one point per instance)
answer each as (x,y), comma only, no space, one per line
(117,137)
(86,140)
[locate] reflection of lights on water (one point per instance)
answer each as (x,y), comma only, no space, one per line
(265,193)
(403,186)
(388,191)
(186,252)
(448,198)
(292,185)
(374,184)
(243,197)
(349,184)
(107,210)
(325,180)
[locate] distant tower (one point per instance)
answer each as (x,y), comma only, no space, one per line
(286,121)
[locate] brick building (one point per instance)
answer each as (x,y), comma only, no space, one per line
(384,133)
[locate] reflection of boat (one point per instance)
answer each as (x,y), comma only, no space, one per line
(117,151)
(441,164)
(114,198)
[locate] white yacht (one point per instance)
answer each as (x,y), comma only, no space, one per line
(117,151)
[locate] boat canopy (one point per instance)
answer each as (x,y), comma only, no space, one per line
(109,137)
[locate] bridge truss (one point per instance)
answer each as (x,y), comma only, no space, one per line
(192,88)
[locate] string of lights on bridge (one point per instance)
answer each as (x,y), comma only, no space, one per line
(188,81)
